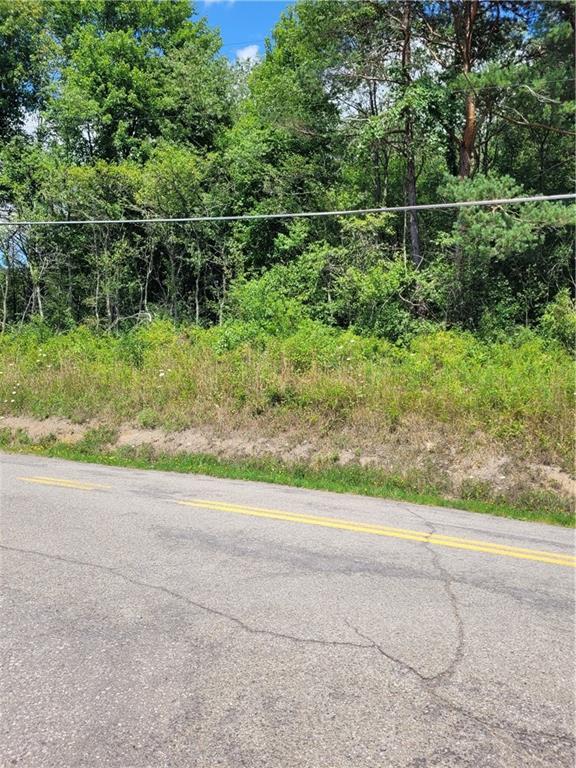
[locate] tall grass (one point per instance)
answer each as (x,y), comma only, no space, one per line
(519,392)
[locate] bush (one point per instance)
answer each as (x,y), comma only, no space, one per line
(381,301)
(266,309)
(559,320)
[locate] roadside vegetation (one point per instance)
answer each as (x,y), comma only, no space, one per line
(518,391)
(427,352)
(444,416)
(543,507)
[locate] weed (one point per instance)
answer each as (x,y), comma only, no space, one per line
(97,438)
(148,418)
(519,393)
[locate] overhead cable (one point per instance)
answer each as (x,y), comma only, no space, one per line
(296,215)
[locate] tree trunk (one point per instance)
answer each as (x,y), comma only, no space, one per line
(409,139)
(39,301)
(375,146)
(468,137)
(465,15)
(70,289)
(147,280)
(197,298)
(36,293)
(97,298)
(6,288)
(222,298)
(108,307)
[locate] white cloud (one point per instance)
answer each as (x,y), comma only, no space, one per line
(215,2)
(249,53)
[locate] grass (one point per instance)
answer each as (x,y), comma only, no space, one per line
(95,448)
(520,393)
(341,391)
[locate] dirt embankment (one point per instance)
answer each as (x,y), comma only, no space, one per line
(414,451)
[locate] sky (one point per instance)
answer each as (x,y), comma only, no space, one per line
(244,24)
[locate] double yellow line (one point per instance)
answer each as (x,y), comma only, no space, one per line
(63,483)
(423,537)
(492,548)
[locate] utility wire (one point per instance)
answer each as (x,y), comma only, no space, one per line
(298,215)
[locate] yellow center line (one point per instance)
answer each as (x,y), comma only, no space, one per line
(62,482)
(553,558)
(224,505)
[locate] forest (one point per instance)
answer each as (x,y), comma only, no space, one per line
(114,109)
(432,346)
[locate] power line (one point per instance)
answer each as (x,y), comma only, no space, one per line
(298,215)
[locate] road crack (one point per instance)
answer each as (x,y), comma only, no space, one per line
(506,732)
(404,664)
(503,731)
(189,601)
(446,580)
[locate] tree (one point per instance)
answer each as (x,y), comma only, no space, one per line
(129,74)
(24,43)
(384,102)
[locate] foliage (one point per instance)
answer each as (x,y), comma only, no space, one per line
(559,320)
(24,41)
(520,391)
(123,110)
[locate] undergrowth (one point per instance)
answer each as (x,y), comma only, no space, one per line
(519,391)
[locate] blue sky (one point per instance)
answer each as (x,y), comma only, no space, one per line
(243,23)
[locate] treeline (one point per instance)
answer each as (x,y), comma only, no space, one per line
(119,109)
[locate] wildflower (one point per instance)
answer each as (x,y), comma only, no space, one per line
(161,373)
(12,401)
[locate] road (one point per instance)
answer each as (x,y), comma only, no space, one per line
(156,619)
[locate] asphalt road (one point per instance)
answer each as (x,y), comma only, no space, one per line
(154,619)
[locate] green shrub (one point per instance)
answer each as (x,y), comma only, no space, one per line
(267,309)
(380,301)
(559,320)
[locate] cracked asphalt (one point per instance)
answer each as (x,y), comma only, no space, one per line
(240,630)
